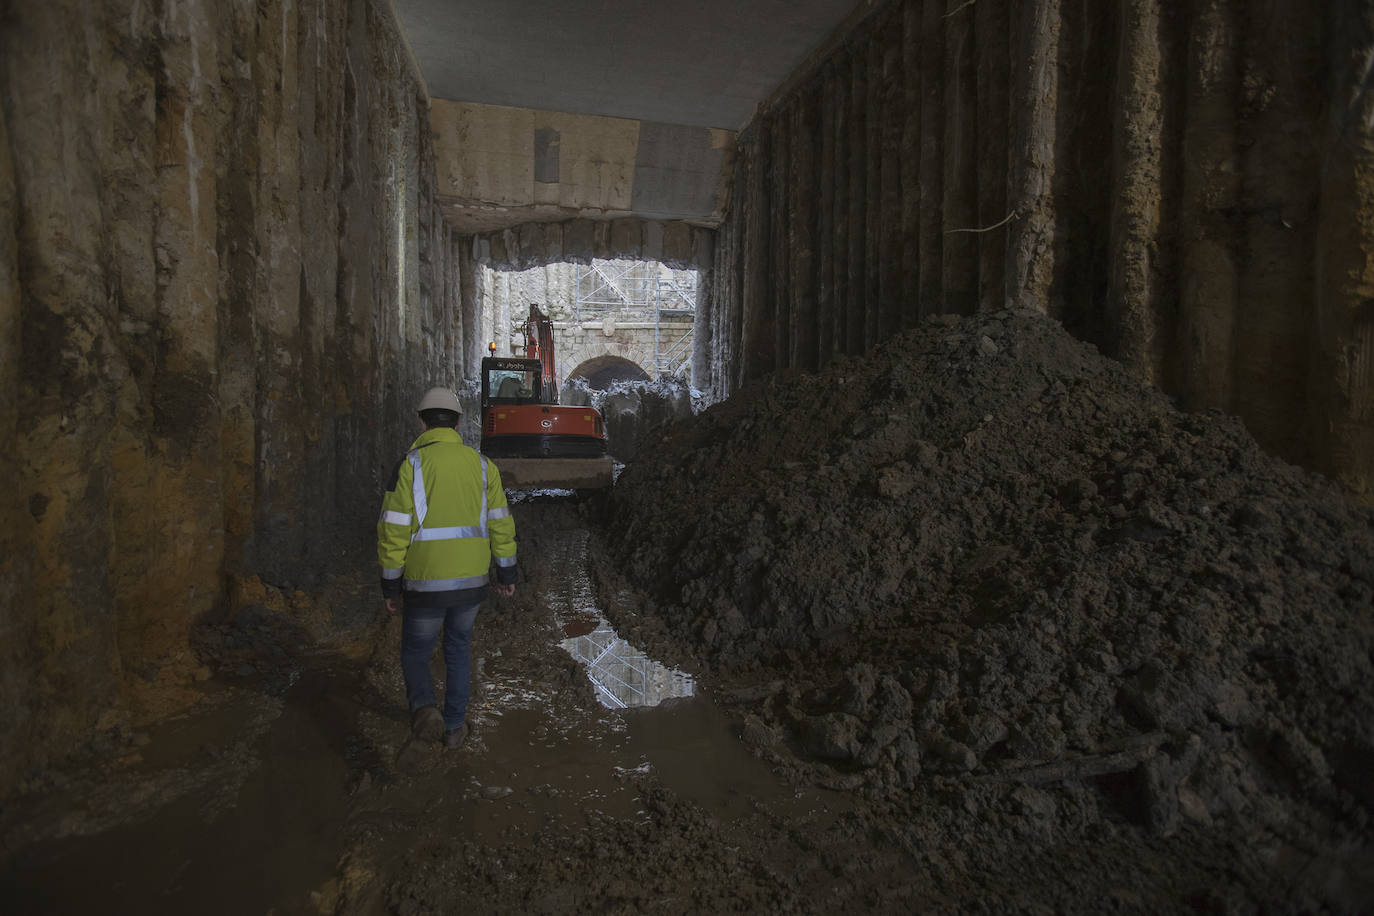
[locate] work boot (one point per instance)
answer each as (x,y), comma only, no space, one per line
(427,723)
(455,737)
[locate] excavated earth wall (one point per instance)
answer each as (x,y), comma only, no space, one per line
(1189,185)
(223,275)
(986,571)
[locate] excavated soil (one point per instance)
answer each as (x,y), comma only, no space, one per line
(1070,644)
(977,624)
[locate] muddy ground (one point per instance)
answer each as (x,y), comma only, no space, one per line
(976,624)
(293,786)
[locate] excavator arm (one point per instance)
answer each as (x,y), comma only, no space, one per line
(539,345)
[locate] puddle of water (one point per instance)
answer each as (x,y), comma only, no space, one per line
(689,743)
(622,675)
(692,748)
(580,626)
(223,718)
(267,848)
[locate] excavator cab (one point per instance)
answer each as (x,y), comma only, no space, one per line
(510,381)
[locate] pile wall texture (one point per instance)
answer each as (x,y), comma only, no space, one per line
(223,278)
(1188,186)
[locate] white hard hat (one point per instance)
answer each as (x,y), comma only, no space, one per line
(440,399)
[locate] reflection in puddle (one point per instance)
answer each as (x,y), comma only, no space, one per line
(690,746)
(622,675)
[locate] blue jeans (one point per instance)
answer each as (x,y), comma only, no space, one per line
(419,631)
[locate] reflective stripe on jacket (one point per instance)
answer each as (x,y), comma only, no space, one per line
(443,522)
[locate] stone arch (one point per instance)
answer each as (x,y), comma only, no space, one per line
(600,372)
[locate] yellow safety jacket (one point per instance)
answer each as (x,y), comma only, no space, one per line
(444,520)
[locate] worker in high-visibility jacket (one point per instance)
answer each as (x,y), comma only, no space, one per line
(444,523)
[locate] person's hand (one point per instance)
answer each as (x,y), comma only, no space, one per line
(505,591)
(394,605)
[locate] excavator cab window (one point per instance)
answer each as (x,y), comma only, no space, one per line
(509,384)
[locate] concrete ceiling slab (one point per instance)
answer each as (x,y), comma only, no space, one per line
(701,63)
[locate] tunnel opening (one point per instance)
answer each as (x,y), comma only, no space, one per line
(603,372)
(614,319)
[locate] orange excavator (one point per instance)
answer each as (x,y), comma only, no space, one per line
(536,442)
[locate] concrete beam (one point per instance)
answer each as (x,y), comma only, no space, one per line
(578,241)
(500,167)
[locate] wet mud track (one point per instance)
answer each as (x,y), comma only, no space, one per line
(573,793)
(296,788)
(233,808)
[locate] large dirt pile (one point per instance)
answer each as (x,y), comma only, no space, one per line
(986,551)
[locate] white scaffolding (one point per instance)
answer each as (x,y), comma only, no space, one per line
(644,291)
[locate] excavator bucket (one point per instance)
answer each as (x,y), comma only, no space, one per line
(555,473)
